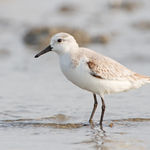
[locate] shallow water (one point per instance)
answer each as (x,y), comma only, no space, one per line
(41,109)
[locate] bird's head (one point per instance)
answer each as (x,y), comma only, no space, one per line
(60,43)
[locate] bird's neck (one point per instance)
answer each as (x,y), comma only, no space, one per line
(70,58)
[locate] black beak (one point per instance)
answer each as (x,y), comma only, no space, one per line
(47,49)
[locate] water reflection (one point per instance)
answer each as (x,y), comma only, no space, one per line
(115,137)
(97,139)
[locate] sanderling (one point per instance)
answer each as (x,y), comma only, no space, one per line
(92,71)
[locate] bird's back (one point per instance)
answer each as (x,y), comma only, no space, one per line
(108,68)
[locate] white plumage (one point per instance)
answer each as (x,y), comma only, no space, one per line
(92,71)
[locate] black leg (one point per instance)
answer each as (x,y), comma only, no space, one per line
(103,110)
(94,108)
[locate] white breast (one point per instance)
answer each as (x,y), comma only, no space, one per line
(81,76)
(75,74)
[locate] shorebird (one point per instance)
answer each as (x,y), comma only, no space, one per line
(92,71)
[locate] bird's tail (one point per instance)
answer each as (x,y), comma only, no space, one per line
(143,78)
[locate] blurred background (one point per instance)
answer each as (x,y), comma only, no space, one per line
(38,101)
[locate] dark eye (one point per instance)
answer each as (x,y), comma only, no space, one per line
(59,40)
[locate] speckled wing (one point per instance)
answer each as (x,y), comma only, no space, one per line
(106,68)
